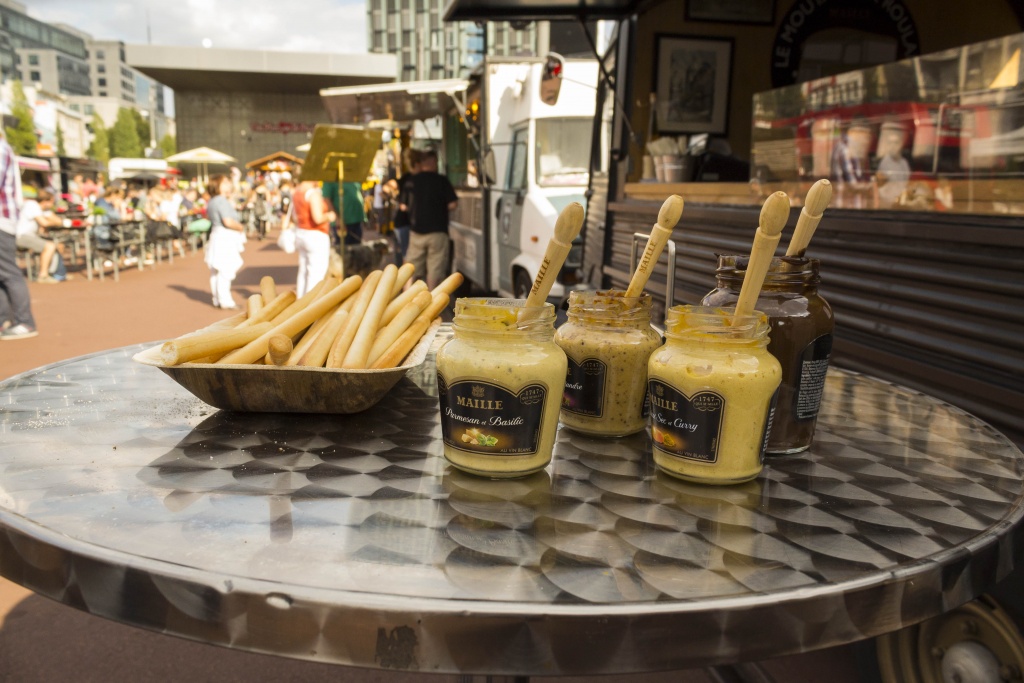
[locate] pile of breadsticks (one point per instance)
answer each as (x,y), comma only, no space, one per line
(352,324)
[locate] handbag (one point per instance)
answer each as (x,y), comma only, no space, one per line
(286,240)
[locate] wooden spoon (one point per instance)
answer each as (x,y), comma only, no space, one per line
(774,214)
(815,204)
(568,225)
(669,215)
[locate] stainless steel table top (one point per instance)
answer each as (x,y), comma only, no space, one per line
(348,539)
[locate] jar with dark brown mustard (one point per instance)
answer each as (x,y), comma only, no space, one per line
(801,339)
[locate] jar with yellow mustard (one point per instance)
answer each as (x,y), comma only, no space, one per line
(608,340)
(499,381)
(712,389)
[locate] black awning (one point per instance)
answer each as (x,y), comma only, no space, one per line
(538,10)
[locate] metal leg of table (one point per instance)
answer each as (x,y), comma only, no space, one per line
(750,672)
(494,679)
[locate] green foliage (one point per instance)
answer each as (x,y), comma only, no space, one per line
(100,147)
(141,126)
(124,136)
(61,151)
(168,145)
(22,137)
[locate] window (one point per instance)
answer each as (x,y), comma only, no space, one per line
(563,151)
(101,68)
(102,82)
(100,55)
(75,107)
(33,60)
(103,93)
(34,76)
(89,110)
(517,161)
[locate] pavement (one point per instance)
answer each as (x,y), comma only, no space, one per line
(43,641)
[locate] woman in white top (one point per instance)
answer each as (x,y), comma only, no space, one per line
(227,242)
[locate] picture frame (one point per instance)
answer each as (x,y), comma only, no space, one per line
(761,12)
(692,75)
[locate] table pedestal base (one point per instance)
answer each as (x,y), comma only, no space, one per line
(750,672)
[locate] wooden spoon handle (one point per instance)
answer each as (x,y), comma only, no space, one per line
(815,204)
(568,225)
(669,215)
(774,214)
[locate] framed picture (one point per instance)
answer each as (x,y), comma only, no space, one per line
(732,11)
(691,84)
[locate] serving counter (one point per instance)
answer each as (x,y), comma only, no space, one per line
(347,539)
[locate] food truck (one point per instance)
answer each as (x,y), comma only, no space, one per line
(516,146)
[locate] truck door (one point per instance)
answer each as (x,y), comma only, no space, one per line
(509,210)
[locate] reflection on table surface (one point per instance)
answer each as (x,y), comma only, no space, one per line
(902,508)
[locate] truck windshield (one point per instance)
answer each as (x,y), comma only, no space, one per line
(563,151)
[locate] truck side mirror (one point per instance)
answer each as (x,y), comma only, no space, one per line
(551,78)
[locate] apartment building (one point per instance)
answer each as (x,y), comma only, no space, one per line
(44,56)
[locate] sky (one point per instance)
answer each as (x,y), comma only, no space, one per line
(294,25)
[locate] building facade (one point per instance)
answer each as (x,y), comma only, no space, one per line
(42,55)
(428,49)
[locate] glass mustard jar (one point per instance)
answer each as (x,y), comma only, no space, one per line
(712,387)
(608,340)
(801,339)
(500,385)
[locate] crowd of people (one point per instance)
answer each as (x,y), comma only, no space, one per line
(410,210)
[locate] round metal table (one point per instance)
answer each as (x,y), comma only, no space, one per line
(348,539)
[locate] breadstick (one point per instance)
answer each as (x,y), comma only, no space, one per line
(279,347)
(353,282)
(401,322)
(403,345)
(199,346)
(316,355)
(257,348)
(307,298)
(404,273)
(400,301)
(356,311)
(437,304)
(268,289)
(359,350)
(267,313)
(450,284)
(253,305)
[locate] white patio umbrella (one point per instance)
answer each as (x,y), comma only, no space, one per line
(203,157)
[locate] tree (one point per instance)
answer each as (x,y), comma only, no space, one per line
(141,126)
(124,136)
(99,149)
(61,152)
(23,136)
(168,145)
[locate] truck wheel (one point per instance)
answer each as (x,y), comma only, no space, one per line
(978,642)
(521,284)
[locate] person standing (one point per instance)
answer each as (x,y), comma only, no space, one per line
(313,218)
(227,242)
(15,306)
(433,197)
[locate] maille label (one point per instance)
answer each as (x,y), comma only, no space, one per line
(686,426)
(487,419)
(812,366)
(584,387)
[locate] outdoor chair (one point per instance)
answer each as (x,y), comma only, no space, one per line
(31,261)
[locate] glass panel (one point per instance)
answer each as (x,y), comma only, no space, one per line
(517,161)
(563,151)
(942,132)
